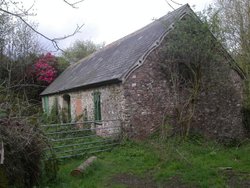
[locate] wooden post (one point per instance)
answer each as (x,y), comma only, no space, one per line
(80,169)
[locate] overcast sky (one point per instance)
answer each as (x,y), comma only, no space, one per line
(104,20)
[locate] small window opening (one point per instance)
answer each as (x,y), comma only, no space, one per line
(186,74)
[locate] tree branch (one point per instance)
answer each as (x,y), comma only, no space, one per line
(73,5)
(25,12)
(54,41)
(176,2)
(26,85)
(170,4)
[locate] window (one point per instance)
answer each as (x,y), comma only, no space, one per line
(186,73)
(66,108)
(46,104)
(97,106)
(54,109)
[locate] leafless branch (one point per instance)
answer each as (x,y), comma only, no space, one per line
(73,5)
(170,4)
(78,28)
(53,40)
(24,12)
(27,85)
(176,2)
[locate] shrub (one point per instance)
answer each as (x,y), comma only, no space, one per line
(24,151)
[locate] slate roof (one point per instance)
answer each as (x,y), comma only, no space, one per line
(115,61)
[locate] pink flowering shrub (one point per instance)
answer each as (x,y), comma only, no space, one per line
(44,69)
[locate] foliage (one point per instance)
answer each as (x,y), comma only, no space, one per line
(23,154)
(80,49)
(24,144)
(19,46)
(44,69)
(19,95)
(19,49)
(17,39)
(189,56)
(231,22)
(246,105)
(233,17)
(52,117)
(62,64)
(193,163)
(14,105)
(193,36)
(40,73)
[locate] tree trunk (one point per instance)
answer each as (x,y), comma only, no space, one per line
(81,169)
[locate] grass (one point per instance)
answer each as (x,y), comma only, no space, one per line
(193,163)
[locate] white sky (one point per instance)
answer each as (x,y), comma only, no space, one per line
(105,20)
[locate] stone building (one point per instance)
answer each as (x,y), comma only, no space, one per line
(121,84)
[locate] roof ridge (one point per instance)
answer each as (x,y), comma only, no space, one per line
(148,25)
(158,41)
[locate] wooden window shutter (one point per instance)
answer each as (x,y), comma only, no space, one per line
(97,106)
(46,104)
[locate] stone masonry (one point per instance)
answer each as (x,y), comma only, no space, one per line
(148,100)
(81,104)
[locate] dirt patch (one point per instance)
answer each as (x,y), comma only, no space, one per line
(133,181)
(176,182)
(130,180)
(237,179)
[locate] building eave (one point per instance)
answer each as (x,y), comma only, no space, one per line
(84,87)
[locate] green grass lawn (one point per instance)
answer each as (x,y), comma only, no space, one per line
(156,163)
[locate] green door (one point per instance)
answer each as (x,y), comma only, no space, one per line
(97,106)
(46,104)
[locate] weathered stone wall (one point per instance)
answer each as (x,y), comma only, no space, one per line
(219,106)
(81,104)
(149,99)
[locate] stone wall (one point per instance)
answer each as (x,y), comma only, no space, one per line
(81,104)
(219,108)
(149,99)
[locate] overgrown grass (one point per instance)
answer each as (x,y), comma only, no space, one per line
(195,163)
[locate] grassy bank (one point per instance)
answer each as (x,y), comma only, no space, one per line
(155,163)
